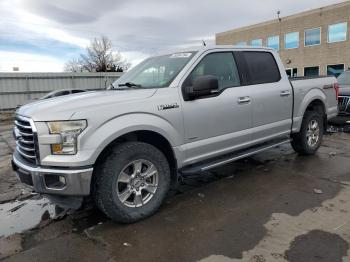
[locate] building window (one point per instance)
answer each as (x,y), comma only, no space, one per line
(312,71)
(313,37)
(335,70)
(242,43)
(292,72)
(291,40)
(337,32)
(274,42)
(256,42)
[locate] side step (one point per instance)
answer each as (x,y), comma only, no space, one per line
(207,165)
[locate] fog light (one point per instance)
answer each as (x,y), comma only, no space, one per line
(62,179)
(55,181)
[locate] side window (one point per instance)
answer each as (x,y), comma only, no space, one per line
(221,65)
(74,91)
(261,68)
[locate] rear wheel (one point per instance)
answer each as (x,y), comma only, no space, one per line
(133,182)
(309,139)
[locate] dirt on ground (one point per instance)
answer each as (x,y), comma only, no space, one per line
(275,206)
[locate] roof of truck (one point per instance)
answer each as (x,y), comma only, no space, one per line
(210,47)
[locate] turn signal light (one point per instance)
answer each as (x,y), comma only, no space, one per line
(336,88)
(56,148)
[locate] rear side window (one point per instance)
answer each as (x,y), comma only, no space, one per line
(222,65)
(77,91)
(261,68)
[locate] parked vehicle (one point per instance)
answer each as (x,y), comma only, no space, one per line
(344,93)
(55,93)
(180,113)
(62,92)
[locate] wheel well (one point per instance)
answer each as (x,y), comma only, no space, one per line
(149,137)
(318,106)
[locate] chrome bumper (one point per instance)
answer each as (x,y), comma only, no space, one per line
(77,181)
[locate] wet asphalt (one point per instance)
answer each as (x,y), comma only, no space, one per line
(275,206)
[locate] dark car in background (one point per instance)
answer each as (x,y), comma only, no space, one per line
(342,121)
(62,92)
(55,93)
(344,93)
(344,102)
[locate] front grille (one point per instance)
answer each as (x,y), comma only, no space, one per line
(25,139)
(344,104)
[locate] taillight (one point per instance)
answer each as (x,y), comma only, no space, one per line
(336,88)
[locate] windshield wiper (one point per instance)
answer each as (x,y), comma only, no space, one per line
(130,84)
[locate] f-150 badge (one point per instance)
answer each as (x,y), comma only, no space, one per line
(168,106)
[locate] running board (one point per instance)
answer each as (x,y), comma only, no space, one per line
(205,166)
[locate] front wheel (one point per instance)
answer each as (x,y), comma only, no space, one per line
(309,138)
(133,182)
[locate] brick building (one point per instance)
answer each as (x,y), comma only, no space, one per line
(315,42)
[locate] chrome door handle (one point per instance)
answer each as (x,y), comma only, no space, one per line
(285,93)
(243,100)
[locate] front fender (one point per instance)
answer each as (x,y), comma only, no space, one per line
(108,131)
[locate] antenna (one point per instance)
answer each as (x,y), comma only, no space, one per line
(204,44)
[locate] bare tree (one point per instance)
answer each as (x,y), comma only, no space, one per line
(99,57)
(73,66)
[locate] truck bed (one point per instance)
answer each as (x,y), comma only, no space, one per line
(310,86)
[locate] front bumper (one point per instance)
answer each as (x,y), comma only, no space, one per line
(77,181)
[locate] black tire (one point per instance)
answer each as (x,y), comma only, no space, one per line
(106,188)
(299,140)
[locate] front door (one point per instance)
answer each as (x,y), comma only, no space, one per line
(219,123)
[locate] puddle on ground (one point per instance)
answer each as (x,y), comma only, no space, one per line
(21,215)
(338,129)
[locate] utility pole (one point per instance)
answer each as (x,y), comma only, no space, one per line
(278,15)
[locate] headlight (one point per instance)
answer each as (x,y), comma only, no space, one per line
(69,131)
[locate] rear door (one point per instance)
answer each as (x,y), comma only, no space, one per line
(271,95)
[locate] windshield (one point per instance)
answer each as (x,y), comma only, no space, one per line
(154,72)
(344,78)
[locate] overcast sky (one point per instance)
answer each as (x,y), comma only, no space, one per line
(41,35)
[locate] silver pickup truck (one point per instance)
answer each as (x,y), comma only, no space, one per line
(175,114)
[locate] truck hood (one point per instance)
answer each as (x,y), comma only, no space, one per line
(64,107)
(344,90)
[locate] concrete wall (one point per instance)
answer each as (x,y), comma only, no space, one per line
(320,55)
(19,88)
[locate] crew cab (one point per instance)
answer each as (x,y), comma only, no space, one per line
(175,114)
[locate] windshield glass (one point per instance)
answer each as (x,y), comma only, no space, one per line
(344,78)
(154,72)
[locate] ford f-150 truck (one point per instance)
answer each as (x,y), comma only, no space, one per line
(176,114)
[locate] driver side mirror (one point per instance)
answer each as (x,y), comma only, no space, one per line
(202,86)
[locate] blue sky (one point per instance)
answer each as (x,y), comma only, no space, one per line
(41,35)
(50,47)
